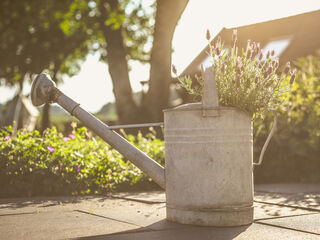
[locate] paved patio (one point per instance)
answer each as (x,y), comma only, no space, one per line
(282,211)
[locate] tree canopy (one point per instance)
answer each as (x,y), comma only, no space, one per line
(55,35)
(32,39)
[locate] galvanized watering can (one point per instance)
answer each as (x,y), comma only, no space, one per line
(208,152)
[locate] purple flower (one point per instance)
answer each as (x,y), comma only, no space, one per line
(276,63)
(88,135)
(174,69)
(268,54)
(65,139)
(272,53)
(51,149)
(218,50)
(257,78)
(250,52)
(208,35)
(6,138)
(260,55)
(269,70)
(11,157)
(72,136)
(293,76)
(287,68)
(234,35)
(73,124)
(77,168)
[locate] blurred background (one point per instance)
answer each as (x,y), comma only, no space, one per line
(114,57)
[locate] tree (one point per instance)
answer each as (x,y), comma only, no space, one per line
(32,39)
(167,15)
(125,29)
(55,35)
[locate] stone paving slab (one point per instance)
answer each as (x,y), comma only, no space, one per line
(267,211)
(142,216)
(307,223)
(254,231)
(304,195)
(59,218)
(57,225)
(146,197)
(288,188)
(300,200)
(137,213)
(261,210)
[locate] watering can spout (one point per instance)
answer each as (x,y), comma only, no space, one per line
(44,91)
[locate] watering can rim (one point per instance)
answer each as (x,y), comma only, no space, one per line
(199,106)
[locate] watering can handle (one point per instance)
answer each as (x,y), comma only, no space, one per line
(268,139)
(210,93)
(210,101)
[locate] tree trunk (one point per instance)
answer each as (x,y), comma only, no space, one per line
(167,15)
(17,110)
(45,121)
(127,109)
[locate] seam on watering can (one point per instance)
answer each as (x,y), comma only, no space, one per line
(202,142)
(55,95)
(207,128)
(208,135)
(198,107)
(225,209)
(77,105)
(220,135)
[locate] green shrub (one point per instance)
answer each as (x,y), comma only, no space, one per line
(48,164)
(293,155)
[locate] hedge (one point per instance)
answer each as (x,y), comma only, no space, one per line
(52,164)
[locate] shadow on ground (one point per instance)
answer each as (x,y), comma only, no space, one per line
(16,203)
(165,229)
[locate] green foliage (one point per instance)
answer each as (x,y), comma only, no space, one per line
(294,151)
(136,18)
(35,164)
(138,24)
(58,35)
(303,107)
(244,79)
(33,40)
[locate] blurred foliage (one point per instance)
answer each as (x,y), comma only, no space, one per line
(293,154)
(52,164)
(57,35)
(32,40)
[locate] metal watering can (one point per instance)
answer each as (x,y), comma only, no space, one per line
(208,152)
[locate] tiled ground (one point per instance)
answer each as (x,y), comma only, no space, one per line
(281,212)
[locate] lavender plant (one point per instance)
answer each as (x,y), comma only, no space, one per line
(245,79)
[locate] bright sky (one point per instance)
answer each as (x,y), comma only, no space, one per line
(92,87)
